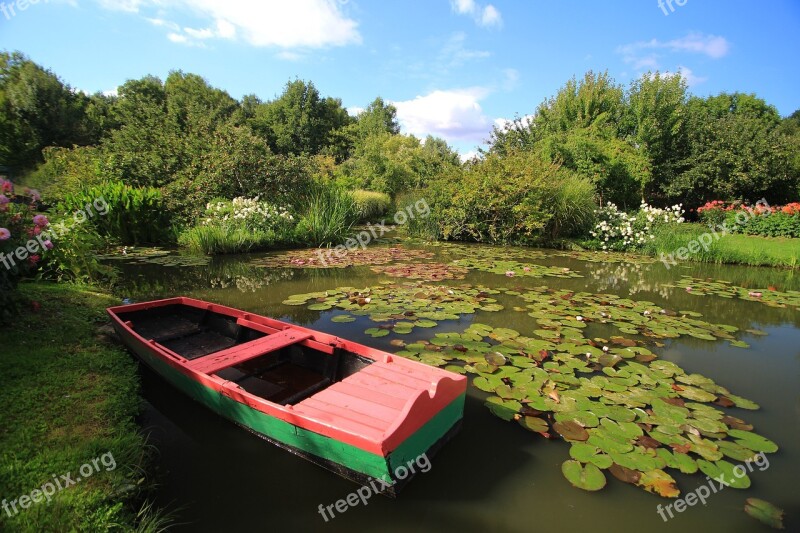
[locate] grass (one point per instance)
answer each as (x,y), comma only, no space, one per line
(213,240)
(732,248)
(370,205)
(67,396)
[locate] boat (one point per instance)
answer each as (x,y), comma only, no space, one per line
(360,412)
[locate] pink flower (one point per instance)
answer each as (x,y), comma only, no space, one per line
(510,273)
(34,259)
(40,220)
(4,199)
(526,269)
(4,234)
(48,245)
(6,186)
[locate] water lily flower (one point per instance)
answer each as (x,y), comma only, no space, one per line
(40,220)
(509,273)
(754,294)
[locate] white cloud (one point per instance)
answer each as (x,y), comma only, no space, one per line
(491,16)
(463,7)
(645,54)
(268,23)
(454,53)
(688,75)
(486,16)
(505,123)
(466,156)
(455,115)
(355,110)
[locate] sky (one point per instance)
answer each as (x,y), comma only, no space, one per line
(453,68)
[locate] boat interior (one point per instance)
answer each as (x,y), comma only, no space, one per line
(274,366)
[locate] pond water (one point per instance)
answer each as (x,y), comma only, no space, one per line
(495,475)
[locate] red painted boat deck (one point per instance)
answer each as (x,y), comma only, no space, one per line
(370,402)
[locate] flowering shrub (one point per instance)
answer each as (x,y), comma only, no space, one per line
(617,230)
(775,221)
(19,223)
(248,213)
(240,225)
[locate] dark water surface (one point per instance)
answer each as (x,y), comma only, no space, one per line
(494,476)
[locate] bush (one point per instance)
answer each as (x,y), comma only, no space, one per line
(426,227)
(617,230)
(127,215)
(370,205)
(500,199)
(572,203)
(19,223)
(769,222)
(239,225)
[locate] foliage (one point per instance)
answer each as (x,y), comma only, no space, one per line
(19,225)
(239,225)
(74,255)
(767,221)
(497,200)
(67,171)
(300,121)
(572,203)
(618,230)
(370,205)
(125,214)
(736,150)
(328,218)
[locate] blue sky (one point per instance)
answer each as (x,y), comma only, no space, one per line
(452,67)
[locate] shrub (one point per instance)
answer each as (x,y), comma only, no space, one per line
(768,222)
(127,215)
(617,230)
(572,204)
(239,225)
(370,205)
(426,227)
(499,199)
(18,225)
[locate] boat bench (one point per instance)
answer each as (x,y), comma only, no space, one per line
(249,350)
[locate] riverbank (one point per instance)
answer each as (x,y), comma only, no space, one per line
(737,249)
(73,457)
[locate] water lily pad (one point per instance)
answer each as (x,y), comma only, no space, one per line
(726,473)
(753,441)
(377,332)
(659,482)
(764,512)
(571,430)
(586,453)
(341,319)
(586,477)
(534,423)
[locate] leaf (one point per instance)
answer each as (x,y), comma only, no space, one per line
(586,453)
(659,482)
(751,440)
(587,477)
(726,473)
(534,423)
(571,430)
(764,512)
(626,475)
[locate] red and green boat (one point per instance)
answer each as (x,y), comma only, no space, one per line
(360,412)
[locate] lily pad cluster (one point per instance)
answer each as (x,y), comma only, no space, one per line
(608,257)
(401,307)
(725,289)
(330,258)
(155,256)
(424,271)
(623,412)
(513,268)
(564,314)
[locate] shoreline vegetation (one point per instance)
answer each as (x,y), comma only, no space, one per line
(70,395)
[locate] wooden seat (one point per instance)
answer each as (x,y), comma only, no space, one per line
(249,350)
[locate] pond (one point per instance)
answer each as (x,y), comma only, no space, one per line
(495,475)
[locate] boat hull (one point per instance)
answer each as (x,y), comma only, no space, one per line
(395,468)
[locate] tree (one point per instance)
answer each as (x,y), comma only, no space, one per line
(299,121)
(38,110)
(656,126)
(737,151)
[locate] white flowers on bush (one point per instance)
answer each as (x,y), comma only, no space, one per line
(250,213)
(617,230)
